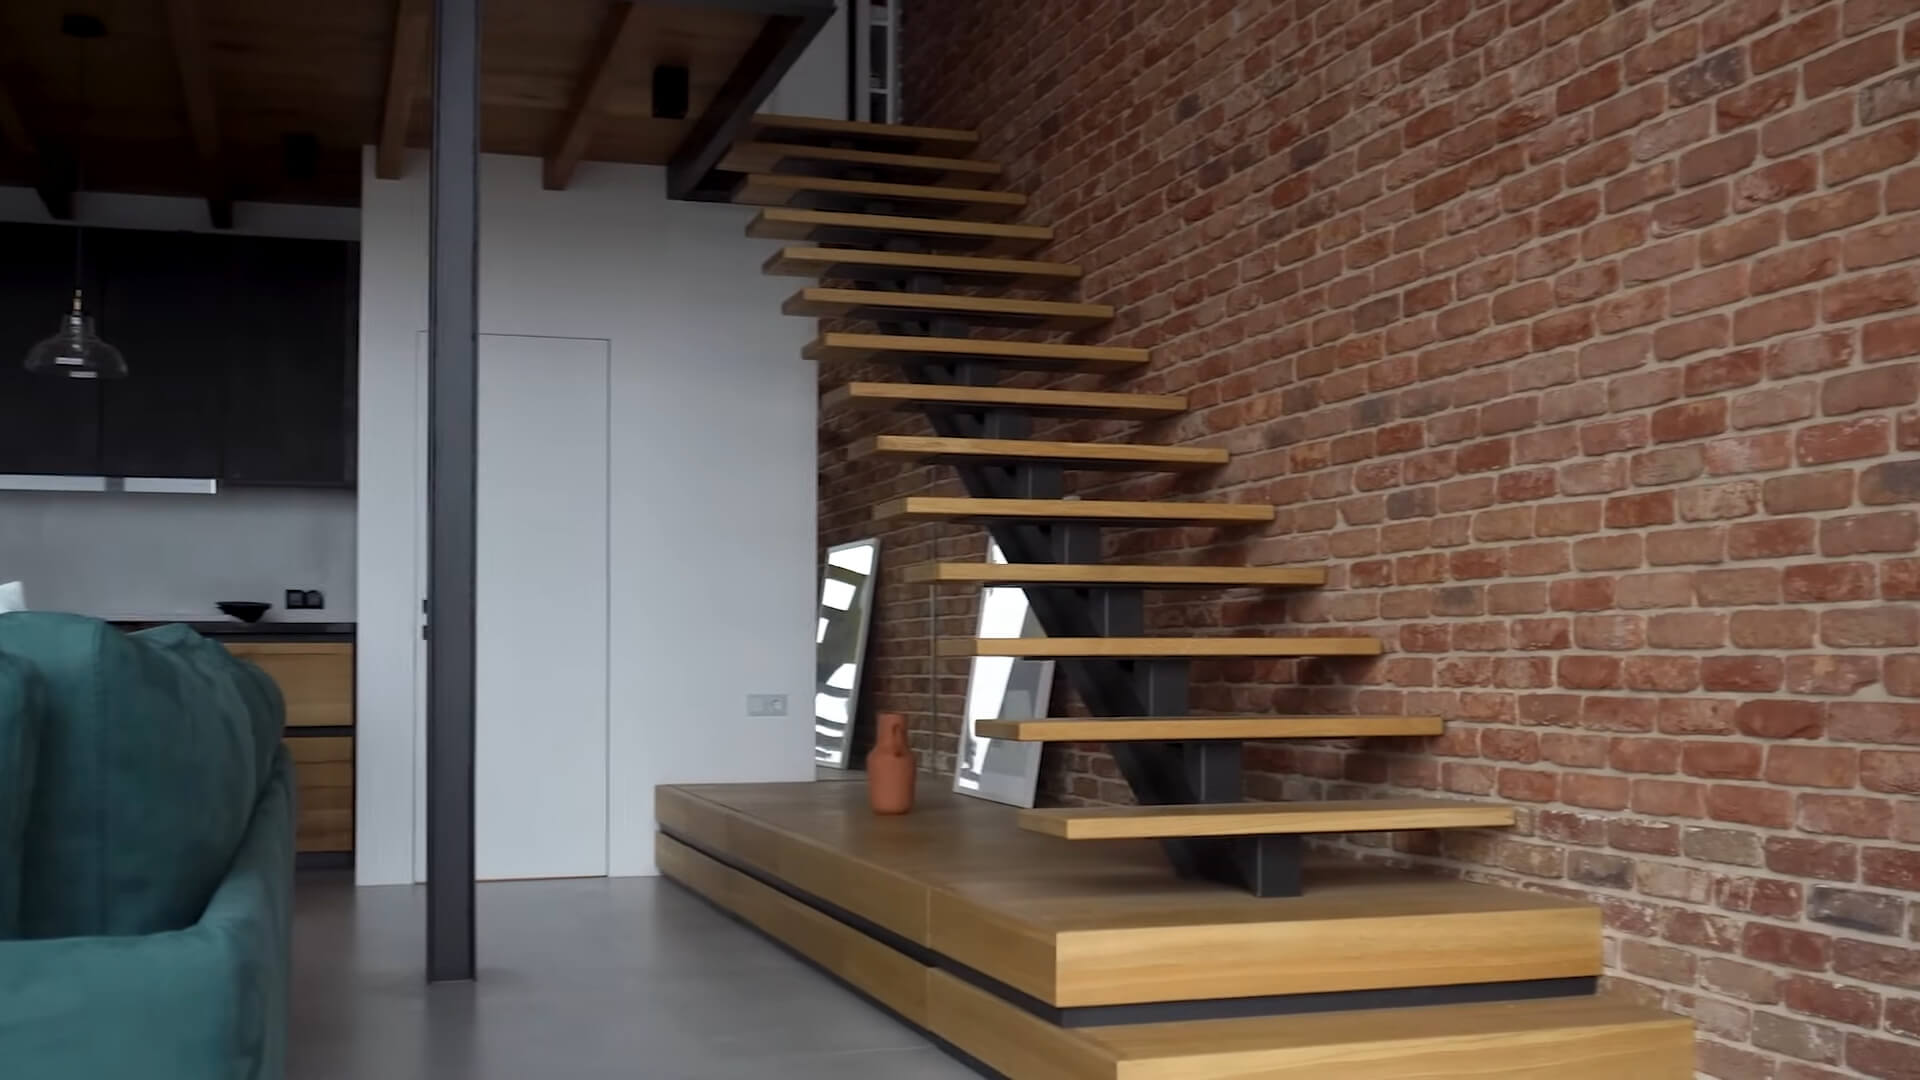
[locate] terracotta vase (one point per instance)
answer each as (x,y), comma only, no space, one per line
(890,768)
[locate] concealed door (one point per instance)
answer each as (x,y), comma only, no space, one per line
(541,753)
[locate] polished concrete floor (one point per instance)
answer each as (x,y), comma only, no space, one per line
(579,980)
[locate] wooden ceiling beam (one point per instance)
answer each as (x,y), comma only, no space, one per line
(619,30)
(412,20)
(196,90)
(51,179)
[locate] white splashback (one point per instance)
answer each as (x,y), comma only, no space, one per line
(119,555)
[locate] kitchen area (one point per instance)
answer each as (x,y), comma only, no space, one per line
(206,474)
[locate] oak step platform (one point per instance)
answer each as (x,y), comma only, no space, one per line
(879,305)
(1189,728)
(858,264)
(834,227)
(934,448)
(1085,925)
(833,193)
(932,397)
(1016,355)
(888,138)
(1085,511)
(1090,575)
(1141,648)
(766,157)
(1262,819)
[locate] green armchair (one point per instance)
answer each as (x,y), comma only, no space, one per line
(146,856)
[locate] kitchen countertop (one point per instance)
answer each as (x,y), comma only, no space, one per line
(268,630)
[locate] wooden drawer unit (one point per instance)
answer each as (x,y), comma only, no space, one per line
(315,677)
(323,777)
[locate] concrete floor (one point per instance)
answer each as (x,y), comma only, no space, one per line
(580,980)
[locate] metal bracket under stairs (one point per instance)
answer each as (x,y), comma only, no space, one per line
(1159,773)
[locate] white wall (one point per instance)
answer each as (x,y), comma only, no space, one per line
(172,556)
(118,555)
(816,85)
(711,477)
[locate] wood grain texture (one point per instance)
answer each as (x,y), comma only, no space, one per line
(774,127)
(1026,355)
(942,508)
(825,303)
(1101,924)
(323,785)
(1258,819)
(315,678)
(1141,647)
(621,28)
(820,262)
(1013,1042)
(986,237)
(887,974)
(765,157)
(1148,576)
(904,396)
(1580,1038)
(1179,728)
(934,448)
(788,189)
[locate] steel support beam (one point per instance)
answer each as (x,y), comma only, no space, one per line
(782,39)
(453,336)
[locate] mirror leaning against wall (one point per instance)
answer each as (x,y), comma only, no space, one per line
(840,647)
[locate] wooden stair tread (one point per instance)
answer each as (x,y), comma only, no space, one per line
(944,508)
(794,189)
(1143,576)
(824,303)
(1258,819)
(929,396)
(1184,728)
(1154,647)
(934,448)
(775,127)
(1027,355)
(832,226)
(859,264)
(766,157)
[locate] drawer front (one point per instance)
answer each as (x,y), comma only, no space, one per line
(323,777)
(316,678)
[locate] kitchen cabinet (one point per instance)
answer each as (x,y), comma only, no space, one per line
(316,681)
(242,356)
(46,425)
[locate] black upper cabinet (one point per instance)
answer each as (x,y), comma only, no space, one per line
(290,395)
(240,352)
(47,425)
(162,304)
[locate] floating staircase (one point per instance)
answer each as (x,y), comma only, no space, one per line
(884,249)
(903,231)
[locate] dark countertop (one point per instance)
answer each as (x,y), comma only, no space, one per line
(269,630)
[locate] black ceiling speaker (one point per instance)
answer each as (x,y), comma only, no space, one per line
(670,91)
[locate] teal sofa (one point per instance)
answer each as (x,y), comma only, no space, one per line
(146,856)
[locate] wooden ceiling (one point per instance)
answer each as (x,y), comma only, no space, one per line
(271,101)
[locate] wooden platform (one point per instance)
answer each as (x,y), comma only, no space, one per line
(1037,958)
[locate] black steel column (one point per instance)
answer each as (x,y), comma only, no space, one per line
(453,343)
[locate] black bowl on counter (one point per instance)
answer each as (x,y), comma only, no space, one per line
(248,611)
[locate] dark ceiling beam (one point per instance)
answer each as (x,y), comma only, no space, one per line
(603,72)
(187,30)
(782,38)
(412,19)
(52,179)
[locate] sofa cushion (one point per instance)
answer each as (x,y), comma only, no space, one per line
(154,749)
(19,739)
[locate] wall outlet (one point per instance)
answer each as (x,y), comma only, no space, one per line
(296,599)
(766,704)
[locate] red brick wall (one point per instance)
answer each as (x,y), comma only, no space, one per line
(1579,341)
